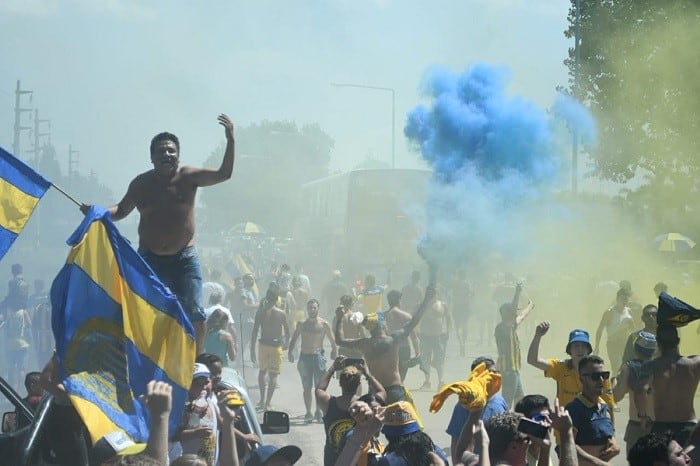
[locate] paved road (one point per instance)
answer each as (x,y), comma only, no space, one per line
(311,438)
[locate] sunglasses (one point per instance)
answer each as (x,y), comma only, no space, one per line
(605,375)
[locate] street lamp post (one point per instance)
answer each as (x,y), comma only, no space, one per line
(577,58)
(393,112)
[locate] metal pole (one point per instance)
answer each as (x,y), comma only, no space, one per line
(18,117)
(393,129)
(574,132)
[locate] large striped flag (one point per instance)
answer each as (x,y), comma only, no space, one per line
(21,188)
(117,327)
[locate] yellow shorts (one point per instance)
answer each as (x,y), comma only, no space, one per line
(270,358)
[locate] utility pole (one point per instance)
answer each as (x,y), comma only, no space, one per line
(18,117)
(72,164)
(37,136)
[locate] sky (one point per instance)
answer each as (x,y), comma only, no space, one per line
(110,74)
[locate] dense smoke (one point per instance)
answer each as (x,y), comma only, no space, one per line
(491,153)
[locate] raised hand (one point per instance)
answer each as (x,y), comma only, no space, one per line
(159,397)
(226,122)
(542,328)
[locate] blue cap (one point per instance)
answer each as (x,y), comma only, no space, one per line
(263,453)
(578,334)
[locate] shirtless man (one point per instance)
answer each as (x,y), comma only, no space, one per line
(274,340)
(396,319)
(631,379)
(433,335)
(312,361)
(164,197)
(673,377)
(381,350)
(350,330)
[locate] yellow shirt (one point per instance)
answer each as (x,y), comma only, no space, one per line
(569,384)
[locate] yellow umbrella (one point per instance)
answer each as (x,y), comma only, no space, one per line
(673,242)
(247,228)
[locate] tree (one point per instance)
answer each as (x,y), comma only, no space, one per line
(273,159)
(639,71)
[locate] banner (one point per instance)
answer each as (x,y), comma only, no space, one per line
(117,327)
(21,188)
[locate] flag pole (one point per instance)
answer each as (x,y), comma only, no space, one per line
(79,204)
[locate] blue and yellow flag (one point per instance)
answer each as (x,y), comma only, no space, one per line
(21,188)
(117,327)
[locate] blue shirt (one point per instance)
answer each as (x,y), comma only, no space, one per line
(460,414)
(592,421)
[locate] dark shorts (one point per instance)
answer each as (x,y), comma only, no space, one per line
(311,368)
(681,430)
(182,273)
(633,432)
(433,349)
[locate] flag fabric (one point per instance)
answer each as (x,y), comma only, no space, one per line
(21,188)
(116,328)
(675,312)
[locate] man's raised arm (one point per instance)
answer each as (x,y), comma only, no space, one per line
(208,177)
(427,302)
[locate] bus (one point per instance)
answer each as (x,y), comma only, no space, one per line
(362,220)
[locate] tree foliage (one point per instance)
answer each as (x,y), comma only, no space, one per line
(639,71)
(273,159)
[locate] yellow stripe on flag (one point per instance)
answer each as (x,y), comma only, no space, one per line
(16,206)
(143,323)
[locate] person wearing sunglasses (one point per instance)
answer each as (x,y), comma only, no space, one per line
(594,431)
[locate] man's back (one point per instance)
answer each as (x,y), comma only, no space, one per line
(272,323)
(382,356)
(675,381)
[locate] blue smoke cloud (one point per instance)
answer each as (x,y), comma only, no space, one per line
(491,153)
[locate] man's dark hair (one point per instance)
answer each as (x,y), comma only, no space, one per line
(31,378)
(393,298)
(313,300)
(649,449)
(623,293)
(490,363)
(16,269)
(370,280)
(661,287)
(667,336)
(413,447)
(502,429)
(505,309)
(626,285)
(588,360)
(531,403)
(207,359)
(347,300)
(164,137)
